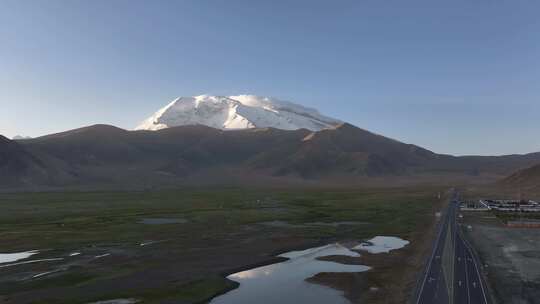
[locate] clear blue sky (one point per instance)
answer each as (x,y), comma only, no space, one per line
(460,77)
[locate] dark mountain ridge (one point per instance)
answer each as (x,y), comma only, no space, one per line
(17,166)
(106,155)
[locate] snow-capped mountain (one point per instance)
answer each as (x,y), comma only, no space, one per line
(237,112)
(19,137)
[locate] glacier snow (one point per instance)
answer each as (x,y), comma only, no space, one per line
(237,112)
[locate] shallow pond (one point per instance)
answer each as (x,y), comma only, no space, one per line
(162,221)
(284,224)
(16,256)
(285,282)
(382,244)
(117,301)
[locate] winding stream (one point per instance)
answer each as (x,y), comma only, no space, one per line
(285,282)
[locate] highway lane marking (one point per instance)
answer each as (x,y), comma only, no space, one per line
(477,272)
(432,257)
(467,280)
(454,245)
(437,285)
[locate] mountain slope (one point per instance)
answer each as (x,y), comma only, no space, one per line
(106,156)
(236,112)
(347,150)
(525,178)
(17,166)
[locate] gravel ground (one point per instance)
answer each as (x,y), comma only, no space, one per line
(512,256)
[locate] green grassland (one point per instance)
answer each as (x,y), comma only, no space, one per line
(189,262)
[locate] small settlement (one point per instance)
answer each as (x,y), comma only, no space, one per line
(514,213)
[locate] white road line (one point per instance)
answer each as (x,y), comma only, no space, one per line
(431,261)
(455,236)
(467,279)
(477,272)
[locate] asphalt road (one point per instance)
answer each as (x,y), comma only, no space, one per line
(468,286)
(433,288)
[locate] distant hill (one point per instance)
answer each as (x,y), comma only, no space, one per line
(525,178)
(19,167)
(103,155)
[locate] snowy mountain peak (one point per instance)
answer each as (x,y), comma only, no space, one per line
(237,112)
(19,137)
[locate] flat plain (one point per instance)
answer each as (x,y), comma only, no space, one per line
(178,245)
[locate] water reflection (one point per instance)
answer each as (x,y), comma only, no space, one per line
(382,244)
(285,282)
(13,257)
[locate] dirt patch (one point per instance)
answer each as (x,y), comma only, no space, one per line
(353,285)
(390,280)
(511,255)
